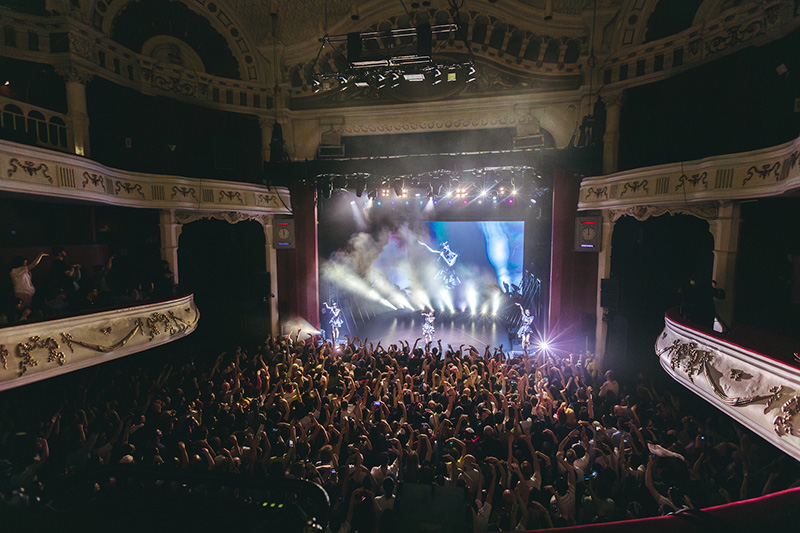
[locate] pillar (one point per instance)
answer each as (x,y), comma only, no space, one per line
(725,229)
(603,271)
(77,114)
(611,138)
(272,268)
(170,231)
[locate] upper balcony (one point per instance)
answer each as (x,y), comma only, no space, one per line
(41,172)
(756,174)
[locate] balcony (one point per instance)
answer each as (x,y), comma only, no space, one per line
(734,373)
(41,350)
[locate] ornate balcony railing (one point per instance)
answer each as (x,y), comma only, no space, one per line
(31,170)
(751,387)
(760,173)
(41,350)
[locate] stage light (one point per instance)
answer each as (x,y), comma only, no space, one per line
(513,192)
(420,202)
(483,193)
(379,202)
(352,202)
(406,202)
(511,200)
(392,202)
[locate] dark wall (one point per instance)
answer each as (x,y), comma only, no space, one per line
(654,262)
(170,137)
(733,104)
(768,266)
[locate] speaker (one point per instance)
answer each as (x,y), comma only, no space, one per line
(609,294)
(353,46)
(424,41)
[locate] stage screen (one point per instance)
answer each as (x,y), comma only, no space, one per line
(450,264)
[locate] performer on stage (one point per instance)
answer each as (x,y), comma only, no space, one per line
(525,330)
(428,330)
(336,320)
(449,257)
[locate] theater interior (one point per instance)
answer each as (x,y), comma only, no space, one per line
(501,264)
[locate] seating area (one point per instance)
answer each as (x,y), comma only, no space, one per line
(516,442)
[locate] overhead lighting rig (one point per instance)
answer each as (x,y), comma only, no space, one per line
(387,59)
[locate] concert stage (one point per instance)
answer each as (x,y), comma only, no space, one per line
(451,328)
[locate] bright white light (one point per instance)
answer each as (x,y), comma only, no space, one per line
(484,192)
(447,300)
(352,202)
(472,298)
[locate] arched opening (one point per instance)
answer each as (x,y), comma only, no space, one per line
(224,265)
(653,265)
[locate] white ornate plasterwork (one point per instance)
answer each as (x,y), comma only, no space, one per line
(42,350)
(231,217)
(760,173)
(759,392)
(30,170)
(706,211)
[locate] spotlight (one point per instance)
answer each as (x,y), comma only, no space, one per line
(352,202)
(361,184)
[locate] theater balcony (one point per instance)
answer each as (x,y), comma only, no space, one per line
(749,375)
(41,350)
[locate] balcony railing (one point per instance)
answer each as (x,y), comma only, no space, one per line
(757,385)
(41,350)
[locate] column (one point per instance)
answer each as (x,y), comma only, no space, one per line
(603,271)
(272,268)
(77,114)
(611,138)
(170,231)
(725,229)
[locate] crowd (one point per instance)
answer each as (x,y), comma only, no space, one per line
(532,441)
(68,288)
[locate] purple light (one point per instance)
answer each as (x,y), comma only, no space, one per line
(465,202)
(392,202)
(510,201)
(450,202)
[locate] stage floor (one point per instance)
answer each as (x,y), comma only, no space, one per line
(454,329)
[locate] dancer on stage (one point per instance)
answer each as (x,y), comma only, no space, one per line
(428,330)
(525,330)
(449,257)
(336,320)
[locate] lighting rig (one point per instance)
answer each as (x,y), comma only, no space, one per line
(520,185)
(386,59)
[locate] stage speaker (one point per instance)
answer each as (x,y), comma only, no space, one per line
(353,46)
(609,294)
(424,41)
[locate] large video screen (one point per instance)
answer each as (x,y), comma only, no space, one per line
(449,264)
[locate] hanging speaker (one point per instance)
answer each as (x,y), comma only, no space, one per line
(354,46)
(424,41)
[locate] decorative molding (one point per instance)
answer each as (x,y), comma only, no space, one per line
(706,211)
(29,167)
(231,217)
(41,350)
(760,173)
(754,389)
(100,184)
(434,125)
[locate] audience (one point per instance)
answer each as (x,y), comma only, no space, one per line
(527,439)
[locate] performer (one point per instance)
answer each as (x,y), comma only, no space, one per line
(428,330)
(525,330)
(336,319)
(447,274)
